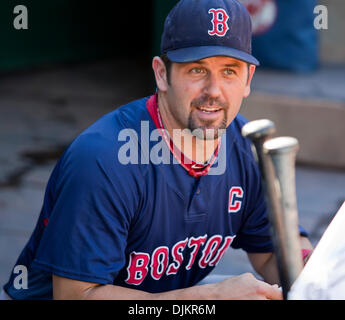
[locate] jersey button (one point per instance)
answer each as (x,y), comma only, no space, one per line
(198,191)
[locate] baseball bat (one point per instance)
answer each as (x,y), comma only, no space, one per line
(279,162)
(260,131)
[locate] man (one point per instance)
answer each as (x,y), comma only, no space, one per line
(116,223)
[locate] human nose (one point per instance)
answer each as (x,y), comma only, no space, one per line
(213,87)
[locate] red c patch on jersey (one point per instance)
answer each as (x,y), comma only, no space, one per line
(235,199)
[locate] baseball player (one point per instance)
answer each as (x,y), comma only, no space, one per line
(117,223)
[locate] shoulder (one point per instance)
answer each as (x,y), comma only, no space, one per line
(242,145)
(95,152)
(125,116)
(240,121)
(101,139)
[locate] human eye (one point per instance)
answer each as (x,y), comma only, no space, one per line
(229,72)
(197,70)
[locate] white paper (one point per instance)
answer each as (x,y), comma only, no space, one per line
(323,277)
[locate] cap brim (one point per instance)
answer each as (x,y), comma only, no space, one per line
(197,53)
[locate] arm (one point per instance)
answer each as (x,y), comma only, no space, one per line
(241,287)
(265,264)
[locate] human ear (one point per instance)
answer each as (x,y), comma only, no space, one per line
(160,73)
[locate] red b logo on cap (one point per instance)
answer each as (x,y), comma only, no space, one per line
(219,22)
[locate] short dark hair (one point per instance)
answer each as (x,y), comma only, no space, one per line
(168,63)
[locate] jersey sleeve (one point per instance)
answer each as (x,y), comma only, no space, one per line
(95,199)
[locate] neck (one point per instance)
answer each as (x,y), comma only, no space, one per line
(195,149)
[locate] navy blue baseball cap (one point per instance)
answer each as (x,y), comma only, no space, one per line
(199,29)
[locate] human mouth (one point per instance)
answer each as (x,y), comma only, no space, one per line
(209,113)
(209,109)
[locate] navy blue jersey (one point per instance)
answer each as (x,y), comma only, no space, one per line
(141,224)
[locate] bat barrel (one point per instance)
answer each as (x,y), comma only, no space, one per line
(258,131)
(276,159)
(280,154)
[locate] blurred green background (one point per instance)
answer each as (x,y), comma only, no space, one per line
(64,30)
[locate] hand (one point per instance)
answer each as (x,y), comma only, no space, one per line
(247,287)
(306,254)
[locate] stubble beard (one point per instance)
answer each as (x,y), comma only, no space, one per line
(206,130)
